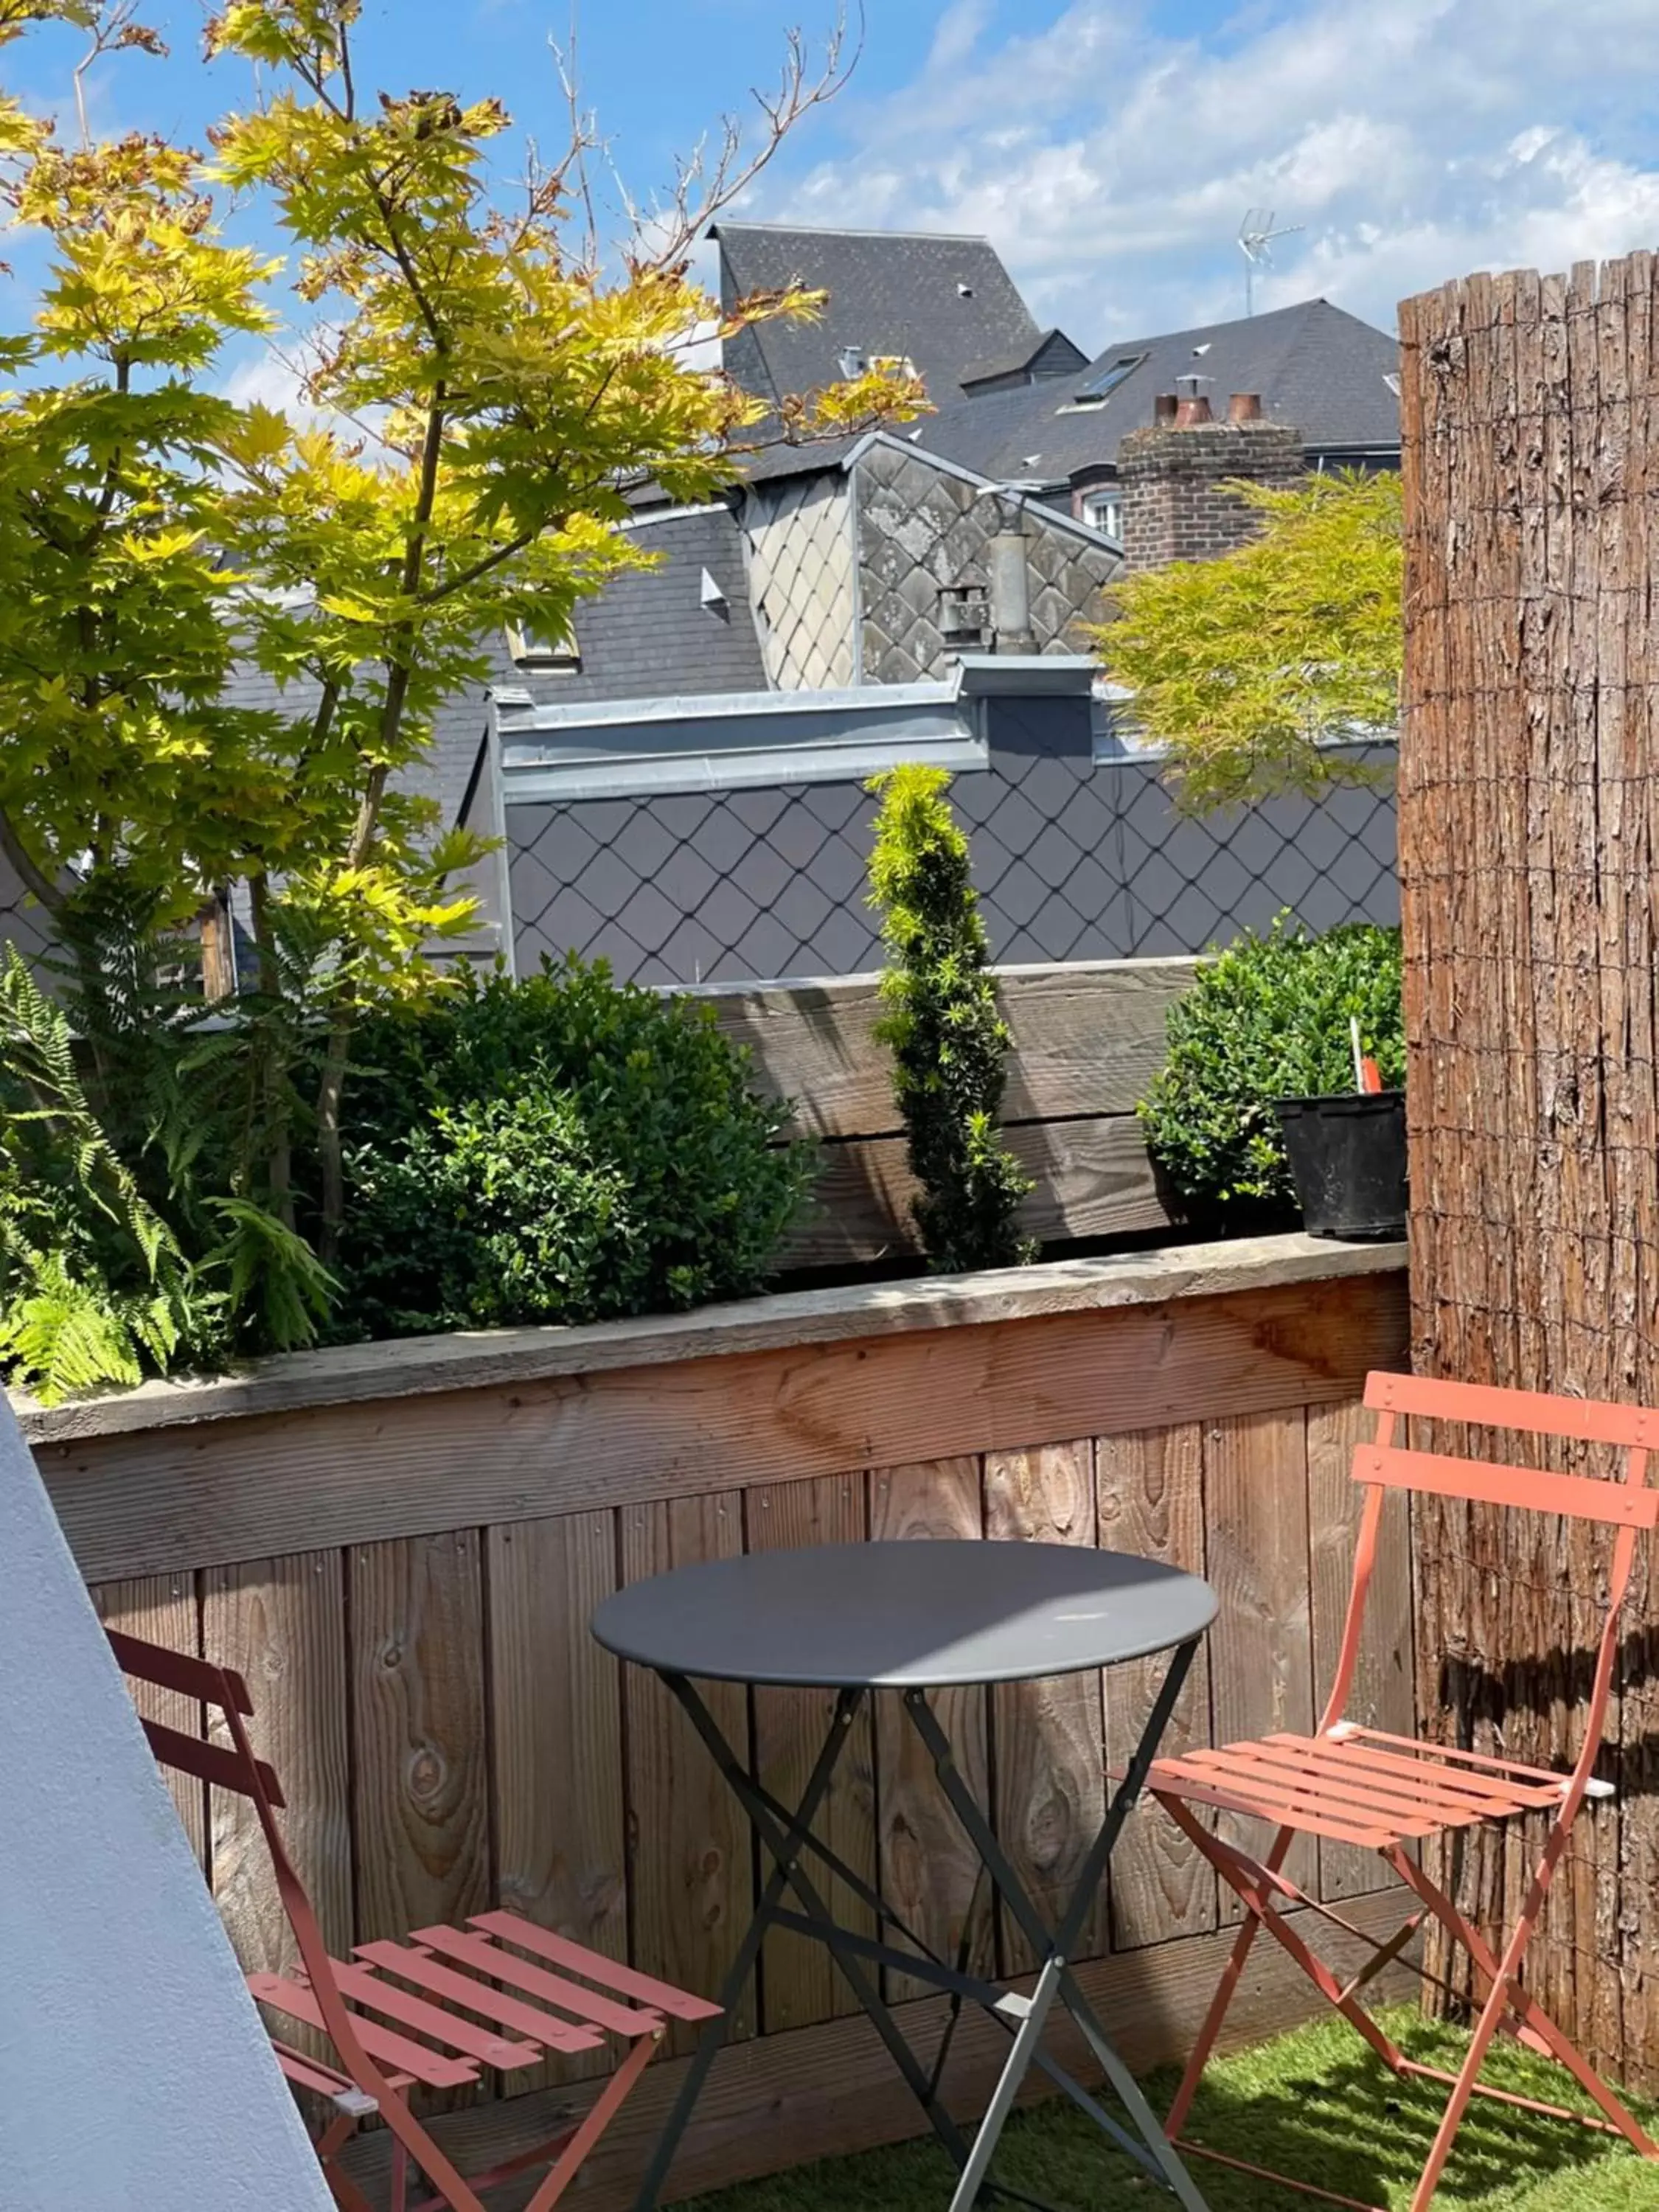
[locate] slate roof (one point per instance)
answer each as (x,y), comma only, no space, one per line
(1314,365)
(945,303)
(646,635)
(649,635)
(1064,358)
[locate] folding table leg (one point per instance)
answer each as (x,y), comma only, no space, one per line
(1159,2156)
(1022,2056)
(786,1844)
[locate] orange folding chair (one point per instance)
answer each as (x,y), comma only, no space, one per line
(1359,1785)
(432,2011)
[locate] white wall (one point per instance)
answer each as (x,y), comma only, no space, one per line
(133,2068)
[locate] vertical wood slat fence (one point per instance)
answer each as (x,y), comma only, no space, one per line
(1529,833)
(407,1580)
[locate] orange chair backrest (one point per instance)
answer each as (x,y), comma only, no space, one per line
(230,1765)
(1627,1503)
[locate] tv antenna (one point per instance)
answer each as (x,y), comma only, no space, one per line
(1255,242)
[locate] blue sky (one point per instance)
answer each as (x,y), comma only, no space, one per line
(1109,148)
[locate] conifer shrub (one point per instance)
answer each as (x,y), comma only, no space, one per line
(949,1043)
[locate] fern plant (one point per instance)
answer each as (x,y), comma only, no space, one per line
(950,1044)
(93,1284)
(130,1236)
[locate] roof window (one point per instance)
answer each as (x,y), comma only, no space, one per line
(1099,388)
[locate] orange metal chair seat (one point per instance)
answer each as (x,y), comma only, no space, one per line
(1351,1783)
(431,2011)
(1355,1785)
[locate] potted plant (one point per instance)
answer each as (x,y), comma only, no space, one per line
(1347,1153)
(1255,1110)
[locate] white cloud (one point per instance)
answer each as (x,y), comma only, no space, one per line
(1412,141)
(269,379)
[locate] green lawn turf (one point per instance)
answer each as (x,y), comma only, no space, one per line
(1313,2104)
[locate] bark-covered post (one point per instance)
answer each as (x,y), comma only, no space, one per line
(1530,813)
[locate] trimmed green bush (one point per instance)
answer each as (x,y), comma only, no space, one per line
(950,1044)
(561,1149)
(1268,1019)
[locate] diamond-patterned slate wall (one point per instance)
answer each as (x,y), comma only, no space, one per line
(800,577)
(1074,862)
(920,530)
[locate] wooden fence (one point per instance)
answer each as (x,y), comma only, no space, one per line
(1089,1037)
(1530,835)
(401,1546)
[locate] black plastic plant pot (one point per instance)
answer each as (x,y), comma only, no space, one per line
(1347,1156)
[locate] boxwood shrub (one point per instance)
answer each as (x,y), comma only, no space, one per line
(1266,1019)
(564,1148)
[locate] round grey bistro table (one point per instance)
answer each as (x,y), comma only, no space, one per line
(914,1618)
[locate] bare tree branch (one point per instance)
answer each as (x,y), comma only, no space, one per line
(584,138)
(660,235)
(113,32)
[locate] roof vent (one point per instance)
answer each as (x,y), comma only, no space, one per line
(712,597)
(964,291)
(851,361)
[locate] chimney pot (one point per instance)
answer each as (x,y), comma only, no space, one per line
(1244,407)
(1163,407)
(1191,412)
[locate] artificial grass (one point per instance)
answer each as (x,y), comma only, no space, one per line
(1313,2104)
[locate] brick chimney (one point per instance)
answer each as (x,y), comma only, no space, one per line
(1171,473)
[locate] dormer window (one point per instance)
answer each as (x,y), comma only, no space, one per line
(551,657)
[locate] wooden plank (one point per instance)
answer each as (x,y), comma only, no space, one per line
(161,1609)
(555,1761)
(800,1983)
(281,1623)
(1382,1694)
(691,1873)
(1255,1490)
(786,2101)
(1150,1487)
(421,1814)
(930,1873)
(304,1382)
(1048,1737)
(1089,1035)
(178,1497)
(1094,1178)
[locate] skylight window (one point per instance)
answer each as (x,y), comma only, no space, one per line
(1113,373)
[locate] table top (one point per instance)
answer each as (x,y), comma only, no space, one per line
(904,1616)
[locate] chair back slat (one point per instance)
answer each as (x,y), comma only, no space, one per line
(1589,1420)
(1612,1503)
(219,1764)
(177,1670)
